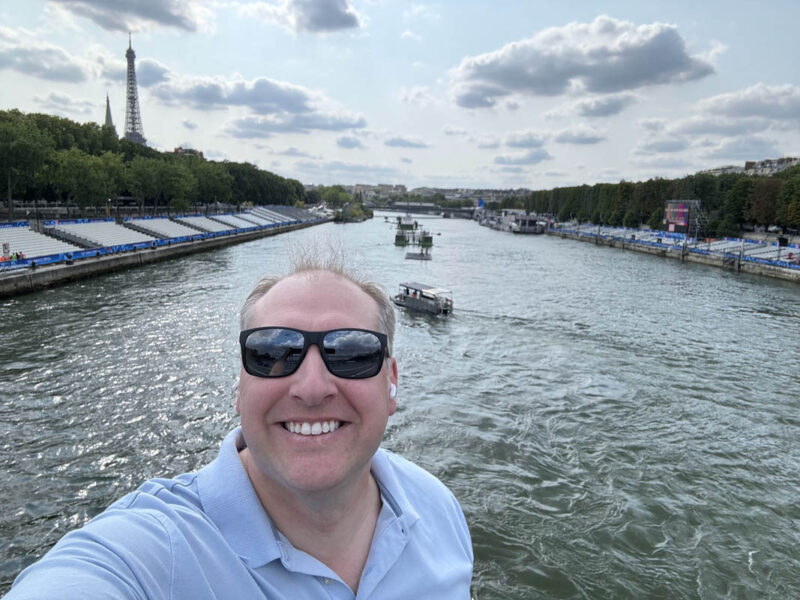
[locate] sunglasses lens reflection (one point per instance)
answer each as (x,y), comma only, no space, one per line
(273,352)
(353,354)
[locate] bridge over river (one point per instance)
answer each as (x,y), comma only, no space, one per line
(430,208)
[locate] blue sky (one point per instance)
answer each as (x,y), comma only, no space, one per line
(501,94)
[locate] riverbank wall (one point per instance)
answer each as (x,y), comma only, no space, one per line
(31,279)
(733,261)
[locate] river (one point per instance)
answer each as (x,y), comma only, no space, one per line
(614,424)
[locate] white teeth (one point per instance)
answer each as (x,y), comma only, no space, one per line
(317,428)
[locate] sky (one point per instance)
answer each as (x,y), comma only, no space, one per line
(500,94)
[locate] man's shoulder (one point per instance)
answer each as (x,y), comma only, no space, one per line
(159,496)
(404,478)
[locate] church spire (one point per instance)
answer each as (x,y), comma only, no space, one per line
(109,122)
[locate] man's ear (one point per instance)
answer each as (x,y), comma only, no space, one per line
(236,391)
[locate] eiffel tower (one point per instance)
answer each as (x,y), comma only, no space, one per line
(133,120)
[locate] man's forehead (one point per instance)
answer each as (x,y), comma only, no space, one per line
(319,288)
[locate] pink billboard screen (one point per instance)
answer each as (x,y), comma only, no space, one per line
(677,213)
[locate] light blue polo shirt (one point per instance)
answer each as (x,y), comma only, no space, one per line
(206,535)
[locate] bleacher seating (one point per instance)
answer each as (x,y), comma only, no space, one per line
(234,221)
(164,227)
(272,216)
(204,223)
(32,243)
(255,218)
(104,233)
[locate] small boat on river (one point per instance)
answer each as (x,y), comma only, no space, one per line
(424,298)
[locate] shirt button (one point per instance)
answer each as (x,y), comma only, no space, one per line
(326,581)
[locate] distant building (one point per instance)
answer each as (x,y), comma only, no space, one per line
(187,152)
(769,166)
(723,170)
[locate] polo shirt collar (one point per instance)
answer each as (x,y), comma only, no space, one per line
(392,491)
(228,498)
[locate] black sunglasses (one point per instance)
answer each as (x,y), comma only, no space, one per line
(278,351)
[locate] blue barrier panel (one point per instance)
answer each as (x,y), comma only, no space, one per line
(14,224)
(85,253)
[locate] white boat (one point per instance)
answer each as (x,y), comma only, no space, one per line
(424,298)
(527,224)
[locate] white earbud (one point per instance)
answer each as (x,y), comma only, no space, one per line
(392,390)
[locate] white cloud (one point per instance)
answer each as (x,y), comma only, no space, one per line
(127,15)
(653,124)
(487,142)
(295,152)
(404,142)
(531,157)
(23,52)
(525,139)
(743,148)
(605,56)
(339,171)
(349,142)
(454,131)
(410,35)
(662,145)
(305,16)
(780,102)
(264,127)
(149,72)
(64,103)
(579,135)
(261,95)
(604,106)
(719,125)
(420,95)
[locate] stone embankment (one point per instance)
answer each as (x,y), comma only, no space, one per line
(21,281)
(735,255)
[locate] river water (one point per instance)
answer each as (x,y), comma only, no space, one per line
(615,425)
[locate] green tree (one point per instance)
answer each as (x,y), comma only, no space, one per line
(631,219)
(735,202)
(214,182)
(142,178)
(79,177)
(787,213)
(656,219)
(762,201)
(23,149)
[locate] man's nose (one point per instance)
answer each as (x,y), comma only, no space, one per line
(313,383)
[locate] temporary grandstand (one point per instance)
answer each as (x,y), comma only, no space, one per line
(32,243)
(234,221)
(204,223)
(100,233)
(161,227)
(70,240)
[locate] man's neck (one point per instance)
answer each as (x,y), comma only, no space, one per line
(334,526)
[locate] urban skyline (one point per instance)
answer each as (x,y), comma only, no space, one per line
(445,95)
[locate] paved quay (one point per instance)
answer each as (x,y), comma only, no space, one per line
(759,254)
